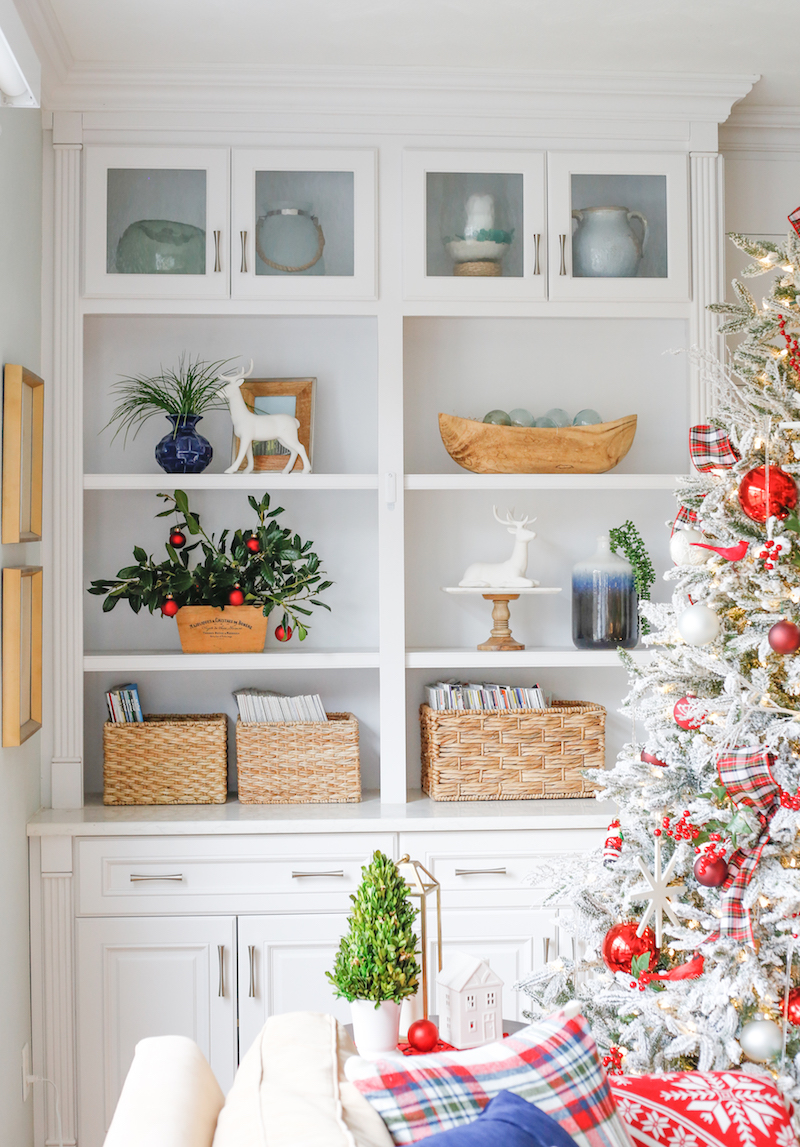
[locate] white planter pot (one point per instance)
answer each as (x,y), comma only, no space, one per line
(375,1029)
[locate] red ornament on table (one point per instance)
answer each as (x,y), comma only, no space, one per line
(283,634)
(753,493)
(177,539)
(253,545)
(621,946)
(423,1035)
(170,607)
(652,759)
(711,870)
(236,597)
(793,1007)
(679,713)
(784,637)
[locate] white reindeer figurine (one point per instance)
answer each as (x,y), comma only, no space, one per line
(249,427)
(511,573)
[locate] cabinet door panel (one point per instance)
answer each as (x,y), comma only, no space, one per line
(142,977)
(289,956)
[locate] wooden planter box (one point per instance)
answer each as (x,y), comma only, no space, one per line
(168,758)
(524,754)
(234,629)
(299,762)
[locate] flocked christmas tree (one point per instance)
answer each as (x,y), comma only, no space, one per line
(688,915)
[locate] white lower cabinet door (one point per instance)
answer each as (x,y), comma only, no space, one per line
(139,977)
(282,964)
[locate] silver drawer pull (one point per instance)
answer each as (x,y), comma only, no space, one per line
(251,951)
(165,876)
(563,241)
(536,267)
(298,875)
(221,957)
(481,872)
(243,265)
(217,263)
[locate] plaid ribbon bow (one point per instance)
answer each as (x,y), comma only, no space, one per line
(710,449)
(747,775)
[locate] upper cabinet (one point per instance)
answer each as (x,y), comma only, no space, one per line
(157,222)
(304,224)
(474,225)
(618,226)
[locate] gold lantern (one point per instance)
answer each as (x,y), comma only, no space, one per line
(420,885)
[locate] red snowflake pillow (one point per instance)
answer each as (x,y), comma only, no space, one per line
(703,1109)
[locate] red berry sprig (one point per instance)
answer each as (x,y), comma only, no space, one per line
(715,848)
(789,801)
(681,830)
(791,345)
(613,1061)
(767,556)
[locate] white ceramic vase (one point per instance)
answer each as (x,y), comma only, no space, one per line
(375,1029)
(605,245)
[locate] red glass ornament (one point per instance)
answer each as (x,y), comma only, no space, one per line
(170,607)
(253,545)
(679,713)
(753,493)
(784,637)
(650,759)
(793,1007)
(236,597)
(621,946)
(283,634)
(423,1035)
(177,539)
(711,871)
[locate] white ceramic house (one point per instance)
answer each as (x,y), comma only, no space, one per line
(470,1001)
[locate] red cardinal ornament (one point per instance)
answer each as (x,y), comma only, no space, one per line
(784,637)
(679,713)
(753,493)
(253,545)
(621,946)
(170,607)
(651,759)
(423,1035)
(177,539)
(711,870)
(236,597)
(729,553)
(793,1007)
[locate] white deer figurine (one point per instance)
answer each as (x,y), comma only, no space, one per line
(509,574)
(249,427)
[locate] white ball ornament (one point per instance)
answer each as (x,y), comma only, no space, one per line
(683,552)
(698,625)
(761,1040)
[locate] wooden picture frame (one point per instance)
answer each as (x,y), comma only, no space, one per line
(23,452)
(302,391)
(22,653)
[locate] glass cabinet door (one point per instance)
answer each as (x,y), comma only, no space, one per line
(618,227)
(304,223)
(156,222)
(475,226)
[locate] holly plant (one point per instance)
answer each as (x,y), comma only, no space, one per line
(269,567)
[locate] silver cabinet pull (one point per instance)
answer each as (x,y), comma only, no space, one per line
(221,956)
(480,872)
(243,236)
(156,876)
(563,241)
(251,951)
(217,237)
(299,875)
(536,268)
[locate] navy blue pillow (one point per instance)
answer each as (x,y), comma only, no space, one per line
(508,1120)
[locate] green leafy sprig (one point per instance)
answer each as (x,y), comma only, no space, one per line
(284,573)
(628,539)
(193,388)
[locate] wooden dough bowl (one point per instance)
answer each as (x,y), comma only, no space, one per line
(485,448)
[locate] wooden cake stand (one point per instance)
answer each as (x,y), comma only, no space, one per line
(500,639)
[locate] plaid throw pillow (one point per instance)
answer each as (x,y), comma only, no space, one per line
(703,1109)
(552,1063)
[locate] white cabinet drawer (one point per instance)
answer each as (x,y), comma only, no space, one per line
(150,876)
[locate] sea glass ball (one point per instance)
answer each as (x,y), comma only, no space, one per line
(558,416)
(545,421)
(498,417)
(587,417)
(521,417)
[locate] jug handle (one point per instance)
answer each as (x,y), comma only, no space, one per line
(638,215)
(577,214)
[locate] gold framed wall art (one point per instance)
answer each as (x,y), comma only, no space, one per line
(293,396)
(23,451)
(22,653)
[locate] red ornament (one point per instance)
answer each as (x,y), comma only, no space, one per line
(170,607)
(621,946)
(283,634)
(793,1007)
(729,553)
(253,545)
(177,539)
(236,597)
(423,1035)
(753,493)
(651,759)
(711,870)
(679,713)
(784,637)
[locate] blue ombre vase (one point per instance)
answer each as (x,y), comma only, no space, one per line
(183,450)
(604,601)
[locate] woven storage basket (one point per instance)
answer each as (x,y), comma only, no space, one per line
(169,758)
(524,754)
(299,762)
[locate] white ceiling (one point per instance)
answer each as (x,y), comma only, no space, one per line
(691,36)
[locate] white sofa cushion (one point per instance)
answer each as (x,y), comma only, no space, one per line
(291,1091)
(169,1099)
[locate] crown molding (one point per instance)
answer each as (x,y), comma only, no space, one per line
(406,92)
(761,128)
